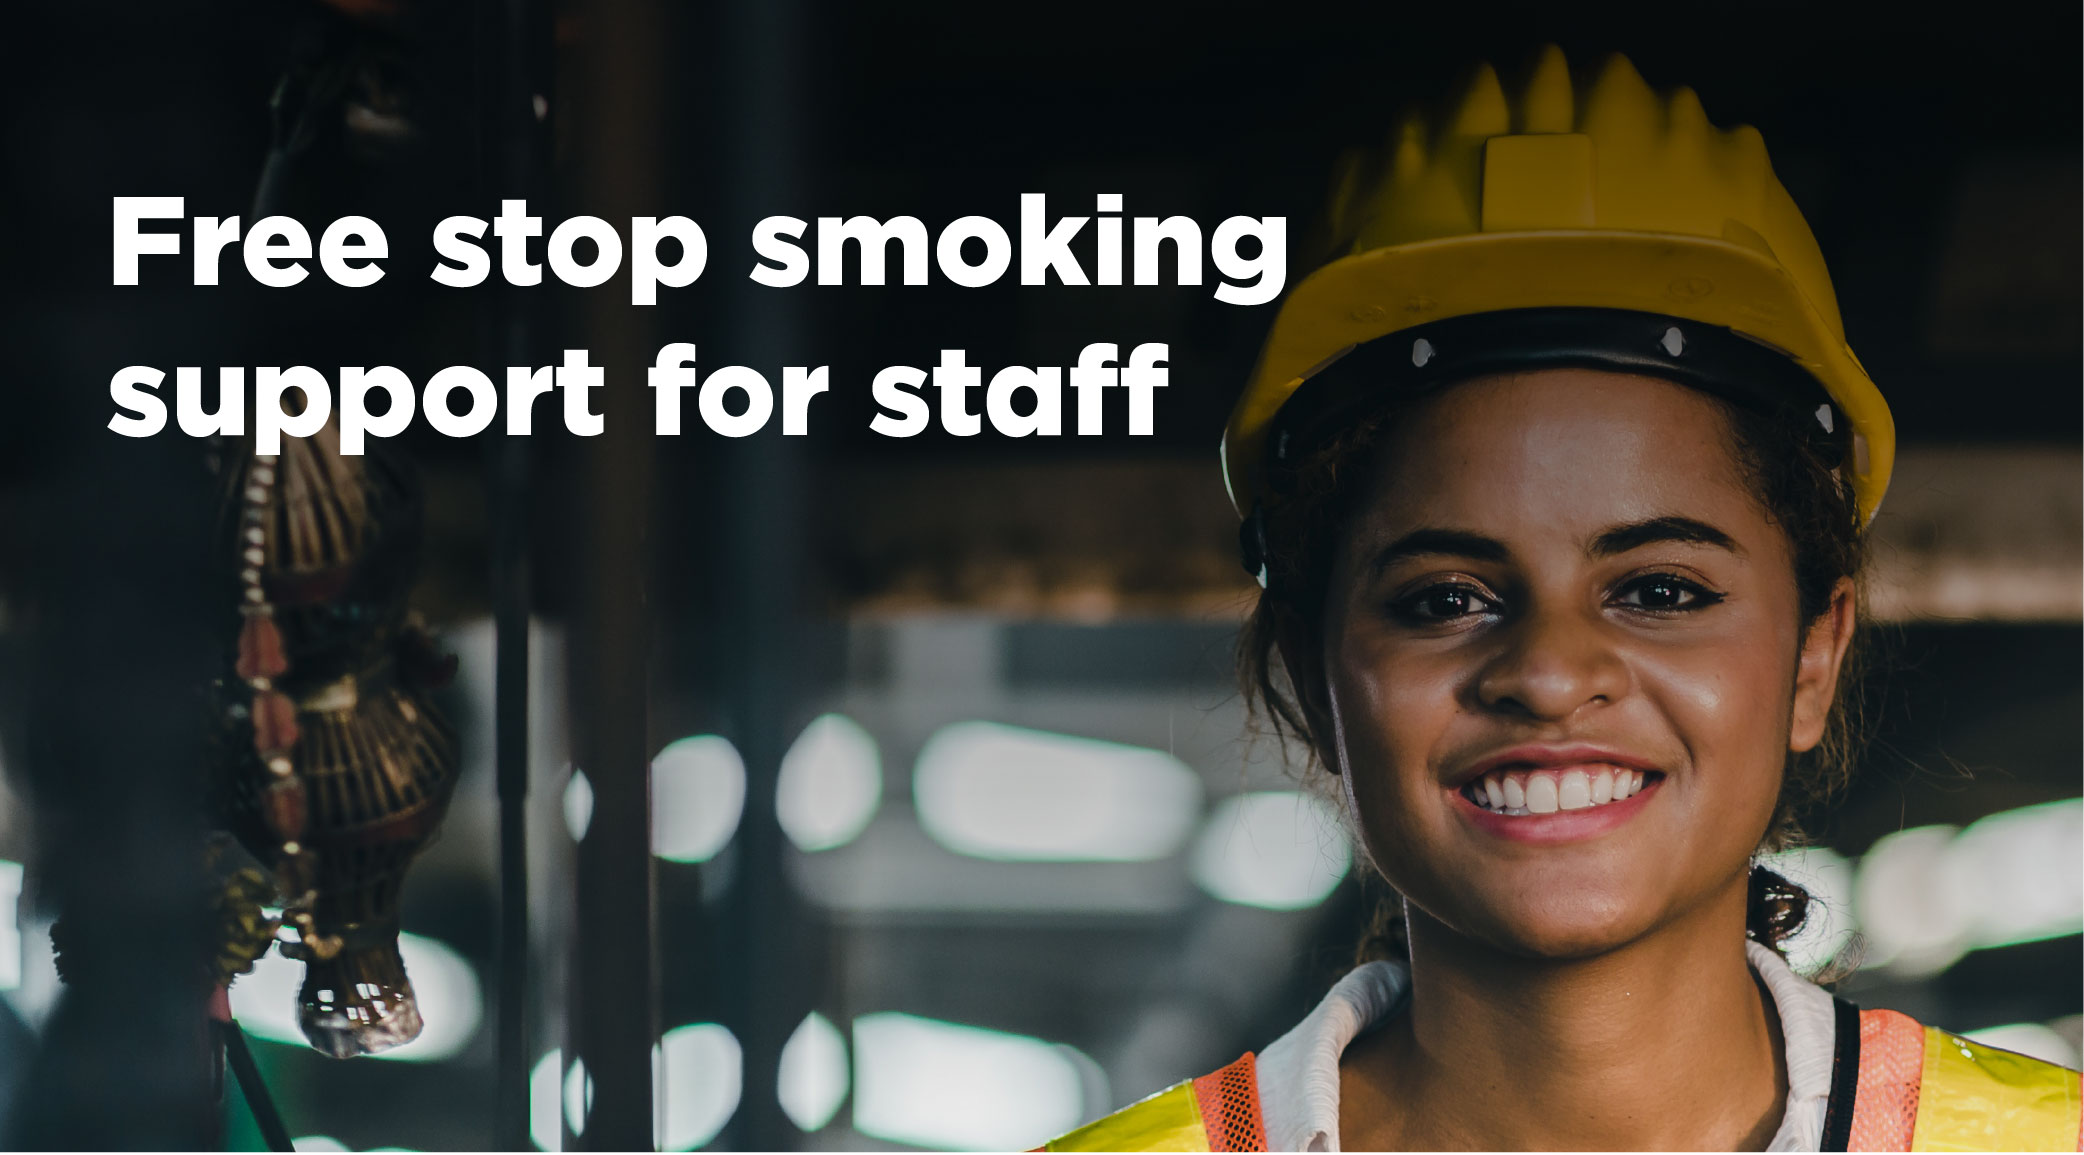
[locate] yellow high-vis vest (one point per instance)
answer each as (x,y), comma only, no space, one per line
(1895,1086)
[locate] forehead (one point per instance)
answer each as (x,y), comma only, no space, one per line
(1561,451)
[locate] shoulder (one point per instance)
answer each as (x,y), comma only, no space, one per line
(1288,1094)
(1216,1112)
(1921,1088)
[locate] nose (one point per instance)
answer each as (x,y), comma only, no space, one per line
(1553,665)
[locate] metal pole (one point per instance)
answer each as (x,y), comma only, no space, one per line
(266,1117)
(514,130)
(770,978)
(510,586)
(615,993)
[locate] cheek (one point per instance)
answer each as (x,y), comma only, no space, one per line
(1727,700)
(1391,709)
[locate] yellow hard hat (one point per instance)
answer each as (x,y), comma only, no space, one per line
(1608,227)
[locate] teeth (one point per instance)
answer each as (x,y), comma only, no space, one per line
(1547,792)
(1542,796)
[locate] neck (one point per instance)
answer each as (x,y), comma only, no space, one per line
(1667,1043)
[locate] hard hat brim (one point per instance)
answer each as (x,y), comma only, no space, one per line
(1383,291)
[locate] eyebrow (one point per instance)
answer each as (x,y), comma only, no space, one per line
(1622,538)
(1440,543)
(1609,543)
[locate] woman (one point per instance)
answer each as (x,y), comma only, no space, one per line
(1555,483)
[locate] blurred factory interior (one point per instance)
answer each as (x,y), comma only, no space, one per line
(959,834)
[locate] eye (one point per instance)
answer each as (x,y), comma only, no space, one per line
(1443,602)
(1663,591)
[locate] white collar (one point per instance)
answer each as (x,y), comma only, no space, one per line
(1299,1072)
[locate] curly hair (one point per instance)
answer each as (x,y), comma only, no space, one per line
(1305,510)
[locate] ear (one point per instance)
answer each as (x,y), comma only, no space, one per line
(1302,653)
(1816,670)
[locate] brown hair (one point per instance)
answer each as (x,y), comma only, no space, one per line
(1305,510)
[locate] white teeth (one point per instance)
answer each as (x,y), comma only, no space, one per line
(1547,792)
(1541,794)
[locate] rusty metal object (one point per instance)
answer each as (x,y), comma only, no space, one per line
(336,767)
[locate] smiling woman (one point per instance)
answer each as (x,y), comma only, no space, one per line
(1556,480)
(1589,630)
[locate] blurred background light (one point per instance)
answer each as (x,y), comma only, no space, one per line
(318,1143)
(994,791)
(2018,876)
(2036,1039)
(1902,903)
(1828,877)
(1927,895)
(578,1096)
(813,1079)
(578,805)
(937,1084)
(699,1073)
(451,1000)
(831,782)
(36,995)
(546,1102)
(697,795)
(1276,849)
(10,928)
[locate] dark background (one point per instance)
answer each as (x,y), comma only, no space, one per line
(1936,158)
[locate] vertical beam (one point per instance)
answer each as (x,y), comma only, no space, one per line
(517,85)
(508,490)
(122,638)
(615,995)
(770,978)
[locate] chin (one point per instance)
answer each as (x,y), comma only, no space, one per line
(1582,928)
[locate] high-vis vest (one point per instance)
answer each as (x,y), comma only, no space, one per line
(1895,1086)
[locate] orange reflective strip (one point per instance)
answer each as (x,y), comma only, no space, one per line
(1229,1101)
(1892,1065)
